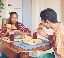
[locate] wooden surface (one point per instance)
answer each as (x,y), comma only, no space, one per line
(12,51)
(8,50)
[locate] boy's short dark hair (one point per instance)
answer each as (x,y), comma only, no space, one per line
(49,14)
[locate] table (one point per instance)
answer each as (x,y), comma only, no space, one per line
(12,50)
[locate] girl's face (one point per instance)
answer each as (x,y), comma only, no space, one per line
(13,18)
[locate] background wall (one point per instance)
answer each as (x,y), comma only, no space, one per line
(54,4)
(37,6)
(62,10)
(27,13)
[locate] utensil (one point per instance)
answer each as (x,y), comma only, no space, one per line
(18,36)
(11,35)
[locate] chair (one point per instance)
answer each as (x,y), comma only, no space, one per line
(4,21)
(48,55)
(3,56)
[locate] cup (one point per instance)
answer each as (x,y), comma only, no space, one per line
(35,35)
(11,35)
(0,35)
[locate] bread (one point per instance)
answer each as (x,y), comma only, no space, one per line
(16,31)
(17,36)
(40,27)
(13,27)
(9,26)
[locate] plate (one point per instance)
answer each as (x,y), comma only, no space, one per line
(32,41)
(17,40)
(17,36)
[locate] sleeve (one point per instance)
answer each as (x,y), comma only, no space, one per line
(23,28)
(60,47)
(60,42)
(4,29)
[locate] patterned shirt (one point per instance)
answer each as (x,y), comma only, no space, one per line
(21,27)
(58,40)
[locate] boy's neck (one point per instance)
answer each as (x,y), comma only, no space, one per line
(54,25)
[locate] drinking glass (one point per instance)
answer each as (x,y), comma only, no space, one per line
(34,34)
(11,35)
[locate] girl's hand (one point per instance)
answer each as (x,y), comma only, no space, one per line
(8,30)
(17,31)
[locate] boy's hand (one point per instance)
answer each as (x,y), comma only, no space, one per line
(41,32)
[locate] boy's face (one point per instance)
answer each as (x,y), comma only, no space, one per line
(46,24)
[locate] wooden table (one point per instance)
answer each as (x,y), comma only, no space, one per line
(12,51)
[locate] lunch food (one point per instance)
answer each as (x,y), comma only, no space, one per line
(9,26)
(28,37)
(40,27)
(32,41)
(17,36)
(13,27)
(16,31)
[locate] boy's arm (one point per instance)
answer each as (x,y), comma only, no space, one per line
(60,46)
(49,37)
(42,33)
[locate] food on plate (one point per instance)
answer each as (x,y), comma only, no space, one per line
(32,41)
(28,37)
(16,31)
(17,36)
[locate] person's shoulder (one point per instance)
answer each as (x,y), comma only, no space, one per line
(19,23)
